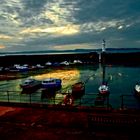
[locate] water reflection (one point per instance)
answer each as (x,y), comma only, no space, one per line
(68,77)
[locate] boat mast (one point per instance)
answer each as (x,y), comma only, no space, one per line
(103,66)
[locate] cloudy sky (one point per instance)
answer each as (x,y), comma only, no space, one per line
(27,25)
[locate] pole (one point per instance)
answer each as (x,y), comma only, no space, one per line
(122,103)
(103,73)
(8,96)
(108,101)
(30,98)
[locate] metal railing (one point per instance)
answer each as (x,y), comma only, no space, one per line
(89,100)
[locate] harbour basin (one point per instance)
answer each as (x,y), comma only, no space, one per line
(121,81)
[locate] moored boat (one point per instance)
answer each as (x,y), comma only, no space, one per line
(103,89)
(53,83)
(30,84)
(137,89)
(78,89)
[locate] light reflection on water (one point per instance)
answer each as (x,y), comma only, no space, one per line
(68,77)
(121,81)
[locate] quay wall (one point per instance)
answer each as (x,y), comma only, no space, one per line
(7,60)
(132,58)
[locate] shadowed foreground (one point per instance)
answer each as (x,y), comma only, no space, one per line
(45,124)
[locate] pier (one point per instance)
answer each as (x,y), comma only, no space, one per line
(89,57)
(114,58)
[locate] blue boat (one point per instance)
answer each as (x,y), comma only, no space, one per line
(51,83)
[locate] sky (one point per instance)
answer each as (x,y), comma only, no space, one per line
(37,25)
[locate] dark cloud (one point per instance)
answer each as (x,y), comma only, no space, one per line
(117,21)
(94,10)
(34,6)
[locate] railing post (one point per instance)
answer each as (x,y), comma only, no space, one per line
(122,103)
(108,101)
(30,98)
(54,100)
(80,101)
(8,96)
(20,97)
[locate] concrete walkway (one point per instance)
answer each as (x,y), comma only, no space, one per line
(53,124)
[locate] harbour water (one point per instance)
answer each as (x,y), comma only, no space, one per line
(121,81)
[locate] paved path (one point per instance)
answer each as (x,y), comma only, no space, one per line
(52,124)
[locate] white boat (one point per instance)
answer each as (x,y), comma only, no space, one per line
(30,84)
(18,67)
(53,83)
(39,66)
(65,63)
(48,63)
(103,89)
(137,89)
(77,62)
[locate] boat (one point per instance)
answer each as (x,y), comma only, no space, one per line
(78,89)
(48,63)
(53,83)
(137,89)
(103,89)
(30,85)
(65,63)
(77,62)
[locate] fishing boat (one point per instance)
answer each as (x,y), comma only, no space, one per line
(53,83)
(49,87)
(30,85)
(103,89)
(137,89)
(78,89)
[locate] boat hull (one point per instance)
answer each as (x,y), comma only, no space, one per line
(30,88)
(136,93)
(103,90)
(78,90)
(104,93)
(51,84)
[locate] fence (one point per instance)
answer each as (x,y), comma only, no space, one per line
(89,100)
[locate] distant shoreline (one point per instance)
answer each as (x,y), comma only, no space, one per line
(76,51)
